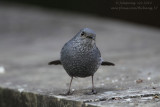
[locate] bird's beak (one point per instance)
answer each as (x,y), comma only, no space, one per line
(91,37)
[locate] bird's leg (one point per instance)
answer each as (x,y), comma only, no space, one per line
(93,90)
(69,92)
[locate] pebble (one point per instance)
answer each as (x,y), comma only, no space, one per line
(2,70)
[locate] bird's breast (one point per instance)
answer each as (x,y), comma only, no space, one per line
(79,62)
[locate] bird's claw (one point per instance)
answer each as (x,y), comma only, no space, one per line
(92,92)
(68,93)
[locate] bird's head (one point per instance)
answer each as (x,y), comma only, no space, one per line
(86,36)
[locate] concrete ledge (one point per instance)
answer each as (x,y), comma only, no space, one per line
(13,98)
(30,37)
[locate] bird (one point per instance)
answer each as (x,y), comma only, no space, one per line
(80,57)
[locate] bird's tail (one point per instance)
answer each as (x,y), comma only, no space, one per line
(107,63)
(56,62)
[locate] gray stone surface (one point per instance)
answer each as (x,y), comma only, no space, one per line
(30,37)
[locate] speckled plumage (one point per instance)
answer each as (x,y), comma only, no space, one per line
(80,57)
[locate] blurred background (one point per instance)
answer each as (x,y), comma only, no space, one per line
(32,33)
(145,12)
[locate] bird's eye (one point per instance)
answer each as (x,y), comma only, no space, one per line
(82,34)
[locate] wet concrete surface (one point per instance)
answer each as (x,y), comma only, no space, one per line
(32,36)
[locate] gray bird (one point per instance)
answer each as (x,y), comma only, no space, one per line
(80,56)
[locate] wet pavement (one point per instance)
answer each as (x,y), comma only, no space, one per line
(32,36)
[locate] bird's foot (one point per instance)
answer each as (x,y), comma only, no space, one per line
(92,92)
(68,93)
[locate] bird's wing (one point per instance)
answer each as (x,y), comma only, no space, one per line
(104,62)
(55,62)
(107,63)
